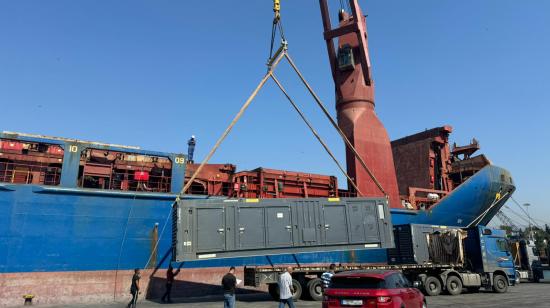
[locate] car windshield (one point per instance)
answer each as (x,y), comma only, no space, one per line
(356,283)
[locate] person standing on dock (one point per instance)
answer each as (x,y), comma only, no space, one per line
(229,282)
(286,289)
(170,274)
(327,276)
(134,289)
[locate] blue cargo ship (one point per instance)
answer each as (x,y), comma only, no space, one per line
(66,214)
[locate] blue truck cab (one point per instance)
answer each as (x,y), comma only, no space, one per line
(488,254)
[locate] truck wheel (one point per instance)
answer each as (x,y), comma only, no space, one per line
(273,289)
(432,286)
(297,290)
(315,289)
(454,285)
(499,284)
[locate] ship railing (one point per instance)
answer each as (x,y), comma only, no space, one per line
(29,173)
(155,183)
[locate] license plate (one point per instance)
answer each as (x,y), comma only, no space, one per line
(352,302)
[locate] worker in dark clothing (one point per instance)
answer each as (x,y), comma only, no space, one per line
(134,289)
(229,282)
(170,274)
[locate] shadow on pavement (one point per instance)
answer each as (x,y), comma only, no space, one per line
(194,292)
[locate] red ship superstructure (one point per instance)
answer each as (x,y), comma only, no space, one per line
(428,169)
(426,165)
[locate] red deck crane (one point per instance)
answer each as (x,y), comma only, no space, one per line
(351,71)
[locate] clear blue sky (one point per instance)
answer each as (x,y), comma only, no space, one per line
(151,73)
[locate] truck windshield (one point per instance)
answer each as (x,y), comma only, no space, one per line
(356,283)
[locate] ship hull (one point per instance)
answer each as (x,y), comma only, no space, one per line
(89,240)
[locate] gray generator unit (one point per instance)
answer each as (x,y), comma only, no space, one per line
(214,228)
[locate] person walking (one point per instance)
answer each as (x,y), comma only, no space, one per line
(327,276)
(170,274)
(286,289)
(229,282)
(134,288)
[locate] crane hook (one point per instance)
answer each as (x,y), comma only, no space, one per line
(276,24)
(277,10)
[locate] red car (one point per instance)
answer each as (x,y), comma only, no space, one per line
(373,288)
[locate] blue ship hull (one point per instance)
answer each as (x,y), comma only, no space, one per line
(52,229)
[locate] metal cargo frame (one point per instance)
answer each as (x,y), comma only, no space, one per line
(412,246)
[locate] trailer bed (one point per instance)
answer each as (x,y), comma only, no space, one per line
(255,276)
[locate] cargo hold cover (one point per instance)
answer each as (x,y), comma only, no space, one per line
(214,228)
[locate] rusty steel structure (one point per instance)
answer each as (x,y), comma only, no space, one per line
(213,179)
(223,180)
(428,169)
(30,162)
(271,183)
(355,103)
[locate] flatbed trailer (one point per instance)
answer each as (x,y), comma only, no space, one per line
(486,266)
(306,280)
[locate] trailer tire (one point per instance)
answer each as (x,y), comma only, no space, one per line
(297,290)
(500,285)
(273,289)
(315,289)
(454,285)
(432,286)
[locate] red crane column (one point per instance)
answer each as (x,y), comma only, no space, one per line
(351,71)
